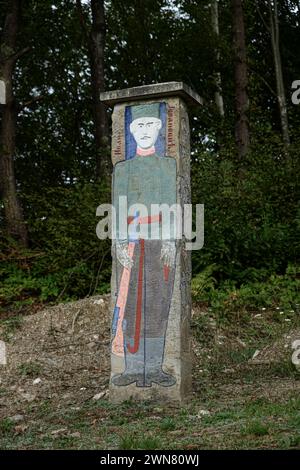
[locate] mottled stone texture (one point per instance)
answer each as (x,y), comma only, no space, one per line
(177,356)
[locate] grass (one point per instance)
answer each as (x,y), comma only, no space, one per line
(242,423)
(6,428)
(250,406)
(256,428)
(168,424)
(144,443)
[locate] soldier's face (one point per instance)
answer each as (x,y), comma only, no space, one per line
(145,131)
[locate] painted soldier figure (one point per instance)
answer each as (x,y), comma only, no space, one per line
(145,264)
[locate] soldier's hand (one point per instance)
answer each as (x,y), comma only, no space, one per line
(122,254)
(168,253)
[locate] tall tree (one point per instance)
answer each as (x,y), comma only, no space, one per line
(218,82)
(95,37)
(241,79)
(9,55)
(275,40)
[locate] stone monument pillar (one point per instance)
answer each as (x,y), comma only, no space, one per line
(151,271)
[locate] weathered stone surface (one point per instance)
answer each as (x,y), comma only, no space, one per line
(177,344)
(157,90)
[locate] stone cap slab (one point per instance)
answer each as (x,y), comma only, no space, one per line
(156,90)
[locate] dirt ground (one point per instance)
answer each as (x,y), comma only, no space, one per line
(61,354)
(54,388)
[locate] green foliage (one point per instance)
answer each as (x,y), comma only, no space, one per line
(30,369)
(68,260)
(6,427)
(251,245)
(203,282)
(251,225)
(252,213)
(277,290)
(257,428)
(144,443)
(168,424)
(289,442)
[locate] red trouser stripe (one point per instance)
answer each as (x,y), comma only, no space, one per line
(138,318)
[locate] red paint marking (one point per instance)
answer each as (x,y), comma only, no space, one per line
(166,272)
(145,220)
(170,132)
(138,319)
(150,219)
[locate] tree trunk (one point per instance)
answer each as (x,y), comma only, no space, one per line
(97,44)
(274,30)
(14,220)
(95,39)
(241,79)
(218,82)
(96,47)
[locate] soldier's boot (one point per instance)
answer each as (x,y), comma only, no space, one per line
(154,354)
(134,370)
